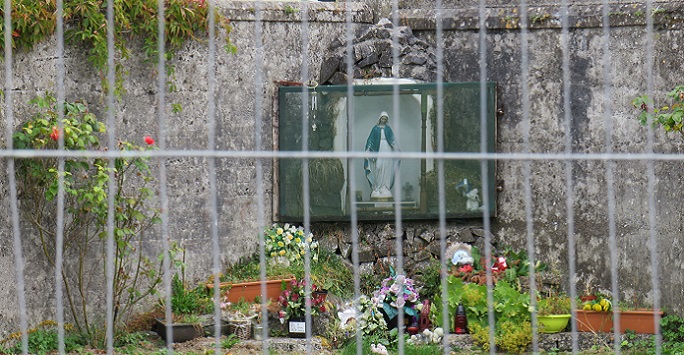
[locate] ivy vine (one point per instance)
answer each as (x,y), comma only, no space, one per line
(86,24)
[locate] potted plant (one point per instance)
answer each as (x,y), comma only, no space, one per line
(638,318)
(588,290)
(286,247)
(553,313)
(188,308)
(239,317)
(293,306)
(396,292)
(595,315)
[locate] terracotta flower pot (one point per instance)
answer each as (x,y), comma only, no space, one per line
(591,321)
(587,298)
(250,290)
(640,321)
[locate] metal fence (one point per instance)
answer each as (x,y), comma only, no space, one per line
(261,154)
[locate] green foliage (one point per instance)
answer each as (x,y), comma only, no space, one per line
(329,272)
(229,341)
(32,22)
(86,25)
(669,116)
(43,339)
(510,337)
(509,304)
(519,263)
(425,349)
(86,197)
(290,10)
(430,280)
(552,305)
(672,328)
(189,302)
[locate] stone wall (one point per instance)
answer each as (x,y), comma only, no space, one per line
(188,182)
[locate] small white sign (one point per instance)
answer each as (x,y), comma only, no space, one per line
(297,327)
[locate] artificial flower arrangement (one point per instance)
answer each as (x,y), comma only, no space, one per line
(238,311)
(601,303)
(289,244)
(396,292)
(370,320)
(293,300)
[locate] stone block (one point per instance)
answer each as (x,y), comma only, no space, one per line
(428,235)
(328,68)
(366,256)
(362,50)
(466,236)
(345,250)
(369,60)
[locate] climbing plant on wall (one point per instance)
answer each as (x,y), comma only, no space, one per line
(86,184)
(86,25)
(669,116)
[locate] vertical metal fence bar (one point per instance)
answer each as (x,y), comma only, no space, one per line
(396,193)
(569,192)
(351,144)
(439,59)
(306,198)
(258,145)
(484,170)
(527,168)
(211,161)
(111,186)
(608,127)
(59,228)
(14,209)
(650,171)
(161,161)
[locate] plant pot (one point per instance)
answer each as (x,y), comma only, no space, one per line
(587,298)
(180,331)
(553,323)
(323,294)
(591,321)
(640,321)
(296,327)
(241,328)
(250,290)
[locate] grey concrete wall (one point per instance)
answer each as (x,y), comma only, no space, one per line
(590,118)
(188,187)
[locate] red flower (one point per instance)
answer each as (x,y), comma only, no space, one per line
(322,309)
(149,140)
(55,134)
(465,268)
(295,296)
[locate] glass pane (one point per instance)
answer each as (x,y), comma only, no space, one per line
(384,182)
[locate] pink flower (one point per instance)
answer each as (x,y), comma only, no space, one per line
(55,134)
(149,140)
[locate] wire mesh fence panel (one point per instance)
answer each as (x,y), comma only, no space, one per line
(433,176)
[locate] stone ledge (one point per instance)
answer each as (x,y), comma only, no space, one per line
(501,17)
(291,11)
(550,342)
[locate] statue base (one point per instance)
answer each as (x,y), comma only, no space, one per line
(382,199)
